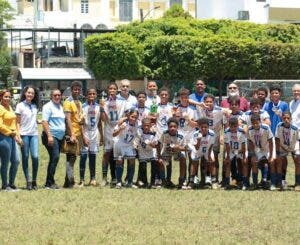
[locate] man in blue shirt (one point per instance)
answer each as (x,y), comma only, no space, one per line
(199,93)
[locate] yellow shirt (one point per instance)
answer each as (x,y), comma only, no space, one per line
(8,121)
(75,109)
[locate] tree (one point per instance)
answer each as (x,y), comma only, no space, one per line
(5,61)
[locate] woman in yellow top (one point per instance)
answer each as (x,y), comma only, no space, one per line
(9,138)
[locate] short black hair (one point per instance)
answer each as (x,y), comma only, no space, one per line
(209,96)
(76,84)
(203,120)
(255,117)
(234,99)
(172,120)
(255,101)
(141,92)
(233,121)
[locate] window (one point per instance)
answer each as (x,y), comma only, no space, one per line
(48,5)
(243,15)
(125,10)
(84,5)
(260,0)
(172,2)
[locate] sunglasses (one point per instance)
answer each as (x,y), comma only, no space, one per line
(56,95)
(232,88)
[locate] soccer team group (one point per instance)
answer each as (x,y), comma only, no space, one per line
(257,137)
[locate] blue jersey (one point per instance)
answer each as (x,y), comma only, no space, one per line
(275,112)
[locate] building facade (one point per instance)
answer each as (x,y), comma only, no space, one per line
(258,11)
(100,14)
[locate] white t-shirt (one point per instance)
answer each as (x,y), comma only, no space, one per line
(205,144)
(28,114)
(288,137)
(247,116)
(145,151)
(295,110)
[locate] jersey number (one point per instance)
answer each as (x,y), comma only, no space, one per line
(92,121)
(234,145)
(128,137)
(181,122)
(113,116)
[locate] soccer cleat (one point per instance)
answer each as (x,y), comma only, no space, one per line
(297,187)
(284,185)
(207,180)
(113,183)
(119,185)
(233,183)
(12,186)
(34,185)
(93,183)
(29,186)
(273,188)
(81,184)
(215,186)
(244,188)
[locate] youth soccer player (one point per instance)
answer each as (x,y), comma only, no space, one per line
(287,141)
(143,110)
(125,131)
(171,143)
(203,151)
(145,143)
(216,117)
(112,110)
(261,143)
(235,149)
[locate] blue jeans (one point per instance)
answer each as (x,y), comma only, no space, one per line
(53,152)
(8,152)
(30,143)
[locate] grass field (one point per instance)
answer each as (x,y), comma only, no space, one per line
(92,215)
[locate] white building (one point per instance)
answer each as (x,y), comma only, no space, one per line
(258,11)
(101,14)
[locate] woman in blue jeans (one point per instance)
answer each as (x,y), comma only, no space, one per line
(26,112)
(8,141)
(53,121)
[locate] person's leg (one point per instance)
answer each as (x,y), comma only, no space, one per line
(105,163)
(273,172)
(297,172)
(82,164)
(5,154)
(54,152)
(119,171)
(143,173)
(227,170)
(69,180)
(254,164)
(25,156)
(182,171)
(112,165)
(130,170)
(34,151)
(284,170)
(15,160)
(92,166)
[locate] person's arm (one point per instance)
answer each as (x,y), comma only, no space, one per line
(244,152)
(18,121)
(120,127)
(270,141)
(227,149)
(46,129)
(209,153)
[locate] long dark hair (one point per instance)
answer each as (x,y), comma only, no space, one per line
(35,99)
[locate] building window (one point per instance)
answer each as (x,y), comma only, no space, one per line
(48,5)
(260,0)
(125,10)
(84,6)
(172,2)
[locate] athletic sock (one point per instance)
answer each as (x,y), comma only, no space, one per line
(130,173)
(226,181)
(255,178)
(297,176)
(119,172)
(264,171)
(279,179)
(273,176)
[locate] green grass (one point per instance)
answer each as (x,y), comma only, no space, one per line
(95,215)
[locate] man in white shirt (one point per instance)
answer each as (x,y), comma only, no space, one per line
(295,106)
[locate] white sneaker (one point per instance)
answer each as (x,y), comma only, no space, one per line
(208,180)
(272,188)
(244,188)
(284,184)
(119,185)
(196,180)
(215,186)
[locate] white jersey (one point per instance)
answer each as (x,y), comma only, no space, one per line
(235,141)
(143,112)
(238,116)
(145,151)
(186,113)
(149,100)
(260,138)
(167,141)
(206,142)
(164,113)
(246,118)
(216,120)
(114,110)
(288,137)
(91,115)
